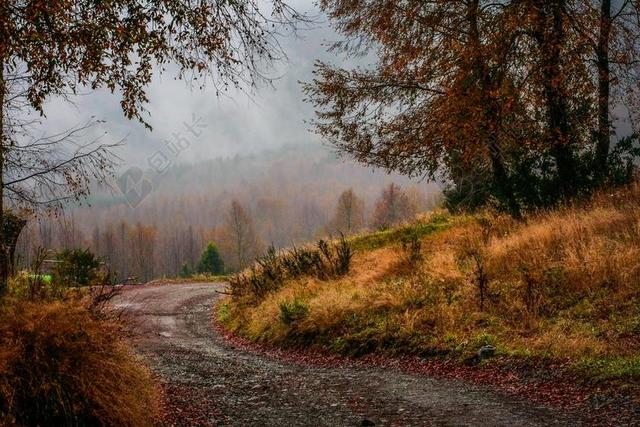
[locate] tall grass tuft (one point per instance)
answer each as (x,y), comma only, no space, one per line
(64,361)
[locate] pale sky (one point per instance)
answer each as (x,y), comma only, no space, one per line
(235,124)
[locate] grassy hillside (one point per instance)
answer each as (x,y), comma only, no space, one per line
(559,285)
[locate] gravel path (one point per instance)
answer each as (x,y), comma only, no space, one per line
(210,383)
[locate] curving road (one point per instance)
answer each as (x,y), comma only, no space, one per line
(210,383)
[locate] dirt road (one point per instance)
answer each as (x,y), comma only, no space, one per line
(210,383)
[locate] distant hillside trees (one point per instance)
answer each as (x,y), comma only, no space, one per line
(210,261)
(393,207)
(349,216)
(312,219)
(271,217)
(142,242)
(184,218)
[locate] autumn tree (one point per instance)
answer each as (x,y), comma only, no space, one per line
(124,262)
(239,237)
(312,218)
(349,216)
(502,98)
(611,32)
(141,246)
(56,48)
(272,220)
(582,58)
(393,207)
(602,51)
(440,96)
(560,87)
(421,201)
(104,245)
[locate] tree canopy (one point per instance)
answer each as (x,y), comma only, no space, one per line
(507,101)
(62,46)
(393,207)
(349,216)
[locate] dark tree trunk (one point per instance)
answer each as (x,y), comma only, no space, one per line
(11,229)
(604,89)
(559,138)
(4,256)
(502,181)
(491,120)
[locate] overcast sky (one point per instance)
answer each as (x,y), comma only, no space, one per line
(237,123)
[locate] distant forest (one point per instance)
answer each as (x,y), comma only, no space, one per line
(282,197)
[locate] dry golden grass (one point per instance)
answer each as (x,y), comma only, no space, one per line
(560,284)
(61,364)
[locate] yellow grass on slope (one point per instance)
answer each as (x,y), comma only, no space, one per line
(561,284)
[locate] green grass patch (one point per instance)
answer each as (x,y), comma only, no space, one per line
(614,368)
(223,313)
(380,239)
(44,278)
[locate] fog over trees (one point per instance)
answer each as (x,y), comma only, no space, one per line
(243,204)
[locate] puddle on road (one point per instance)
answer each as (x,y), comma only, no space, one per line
(126,306)
(166,322)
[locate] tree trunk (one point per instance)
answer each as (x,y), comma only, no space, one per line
(4,258)
(604,85)
(12,227)
(491,118)
(559,139)
(502,181)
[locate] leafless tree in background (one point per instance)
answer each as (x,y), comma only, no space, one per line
(239,237)
(43,173)
(393,207)
(349,217)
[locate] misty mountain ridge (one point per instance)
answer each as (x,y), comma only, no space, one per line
(311,168)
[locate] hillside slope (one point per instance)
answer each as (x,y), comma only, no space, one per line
(562,287)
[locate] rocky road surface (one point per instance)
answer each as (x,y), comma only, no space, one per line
(208,382)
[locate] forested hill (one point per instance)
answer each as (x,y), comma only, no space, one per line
(288,169)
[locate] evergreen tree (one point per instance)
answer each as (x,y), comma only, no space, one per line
(210,262)
(76,267)
(185,271)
